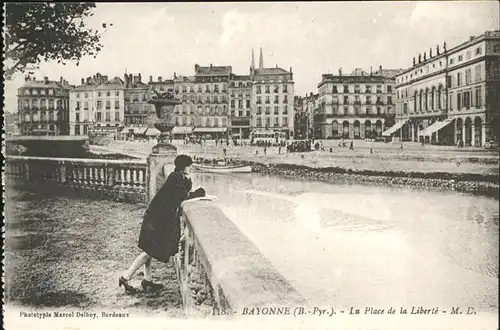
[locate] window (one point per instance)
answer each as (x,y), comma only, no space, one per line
(259,99)
(459,79)
(248,103)
(276,99)
(276,110)
(259,110)
(77,105)
(368,100)
(285,109)
(117,93)
(466,102)
(285,90)
(268,99)
(267,89)
(77,129)
(334,89)
(184,89)
(285,99)
(108,116)
(460,58)
(98,105)
(259,89)
(448,81)
(276,88)
(108,104)
(86,95)
(85,105)
(479,101)
(77,95)
(268,121)
(477,73)
(468,78)
(459,101)
(99,116)
(389,99)
(259,122)
(216,120)
(77,117)
(389,89)
(108,93)
(98,93)
(467,55)
(276,121)
(452,60)
(478,51)
(240,104)
(268,110)
(346,89)
(346,99)
(117,115)
(232,103)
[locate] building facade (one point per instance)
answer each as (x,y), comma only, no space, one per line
(272,98)
(240,105)
(97,105)
(453,95)
(356,106)
(43,107)
(136,95)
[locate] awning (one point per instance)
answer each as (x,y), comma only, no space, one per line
(210,129)
(139,130)
(434,127)
(152,132)
(182,130)
(394,127)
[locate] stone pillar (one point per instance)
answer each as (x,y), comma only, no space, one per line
(362,130)
(484,131)
(416,133)
(410,131)
(351,131)
(160,163)
(463,133)
(473,135)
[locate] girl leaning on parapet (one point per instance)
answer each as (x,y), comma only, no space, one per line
(160,232)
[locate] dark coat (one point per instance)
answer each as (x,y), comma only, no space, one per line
(160,231)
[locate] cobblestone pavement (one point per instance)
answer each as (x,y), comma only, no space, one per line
(65,252)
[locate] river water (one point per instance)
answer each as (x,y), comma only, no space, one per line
(354,245)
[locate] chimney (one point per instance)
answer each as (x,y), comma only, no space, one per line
(175,75)
(140,78)
(125,78)
(150,79)
(380,69)
(83,81)
(471,37)
(196,68)
(159,79)
(130,79)
(290,69)
(210,66)
(46,80)
(26,78)
(61,80)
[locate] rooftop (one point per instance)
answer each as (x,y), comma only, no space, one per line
(212,70)
(271,71)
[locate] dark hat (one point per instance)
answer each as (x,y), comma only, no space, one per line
(182,161)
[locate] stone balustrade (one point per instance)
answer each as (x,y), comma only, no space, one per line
(221,271)
(119,179)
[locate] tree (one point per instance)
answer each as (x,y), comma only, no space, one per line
(43,31)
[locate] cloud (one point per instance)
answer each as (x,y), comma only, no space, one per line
(234,25)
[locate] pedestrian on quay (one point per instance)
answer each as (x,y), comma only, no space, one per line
(265,150)
(351,146)
(160,232)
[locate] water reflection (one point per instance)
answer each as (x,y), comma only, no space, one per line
(358,245)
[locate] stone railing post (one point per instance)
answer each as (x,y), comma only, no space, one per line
(161,158)
(62,172)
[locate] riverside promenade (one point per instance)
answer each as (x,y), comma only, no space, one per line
(382,157)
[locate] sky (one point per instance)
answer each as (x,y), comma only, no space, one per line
(311,37)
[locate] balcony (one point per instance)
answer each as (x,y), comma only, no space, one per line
(268,102)
(259,102)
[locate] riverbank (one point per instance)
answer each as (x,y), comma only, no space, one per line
(464,182)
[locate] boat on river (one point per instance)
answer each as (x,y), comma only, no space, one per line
(222,168)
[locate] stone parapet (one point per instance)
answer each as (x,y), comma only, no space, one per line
(221,269)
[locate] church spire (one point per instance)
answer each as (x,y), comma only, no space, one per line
(261,60)
(253,61)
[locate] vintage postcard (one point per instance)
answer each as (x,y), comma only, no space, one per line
(256,165)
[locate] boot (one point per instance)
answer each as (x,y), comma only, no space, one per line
(149,286)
